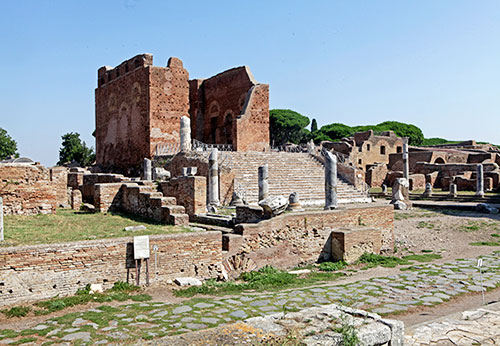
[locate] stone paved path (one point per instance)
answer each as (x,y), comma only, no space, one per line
(424,284)
(477,327)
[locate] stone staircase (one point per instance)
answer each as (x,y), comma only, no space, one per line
(143,200)
(288,172)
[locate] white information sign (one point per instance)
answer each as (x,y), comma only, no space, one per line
(141,247)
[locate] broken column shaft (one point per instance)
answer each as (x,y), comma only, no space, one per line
(330,181)
(263,182)
(213,178)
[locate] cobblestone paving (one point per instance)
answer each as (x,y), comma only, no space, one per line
(477,327)
(425,284)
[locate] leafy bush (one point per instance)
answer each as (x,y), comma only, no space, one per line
(332,266)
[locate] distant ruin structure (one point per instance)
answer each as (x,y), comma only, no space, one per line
(139,107)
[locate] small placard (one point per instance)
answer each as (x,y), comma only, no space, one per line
(480,262)
(141,247)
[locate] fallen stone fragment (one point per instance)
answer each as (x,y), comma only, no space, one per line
(188,282)
(135,228)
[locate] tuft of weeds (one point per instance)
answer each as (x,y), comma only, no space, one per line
(485,243)
(428,257)
(374,260)
(16,311)
(332,266)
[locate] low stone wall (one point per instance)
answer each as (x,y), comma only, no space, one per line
(290,239)
(91,179)
(35,272)
(32,189)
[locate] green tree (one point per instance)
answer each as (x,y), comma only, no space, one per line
(8,146)
(74,149)
(314,126)
(333,132)
(287,126)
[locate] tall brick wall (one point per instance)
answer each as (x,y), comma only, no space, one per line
(230,108)
(32,189)
(43,271)
(252,127)
(290,239)
(168,102)
(122,113)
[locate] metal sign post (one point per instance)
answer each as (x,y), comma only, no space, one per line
(480,264)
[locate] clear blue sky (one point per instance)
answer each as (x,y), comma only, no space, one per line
(435,64)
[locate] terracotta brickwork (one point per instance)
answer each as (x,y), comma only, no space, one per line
(349,244)
(230,108)
(200,161)
(138,106)
(190,192)
(290,239)
(32,189)
(43,271)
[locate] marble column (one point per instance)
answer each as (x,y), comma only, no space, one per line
(453,190)
(263,182)
(185,133)
(147,170)
(330,181)
(406,164)
(480,180)
(213,178)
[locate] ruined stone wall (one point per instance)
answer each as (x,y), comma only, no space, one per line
(290,239)
(35,272)
(376,175)
(200,161)
(59,180)
(190,192)
(122,114)
(91,179)
(32,189)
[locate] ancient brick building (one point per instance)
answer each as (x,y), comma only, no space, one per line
(139,106)
(230,108)
(365,149)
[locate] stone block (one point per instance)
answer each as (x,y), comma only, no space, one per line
(76,199)
(348,244)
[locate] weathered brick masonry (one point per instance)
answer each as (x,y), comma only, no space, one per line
(291,239)
(43,271)
(31,189)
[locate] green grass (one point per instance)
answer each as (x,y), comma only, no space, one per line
(485,243)
(374,260)
(424,224)
(428,257)
(69,225)
(121,291)
(266,278)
